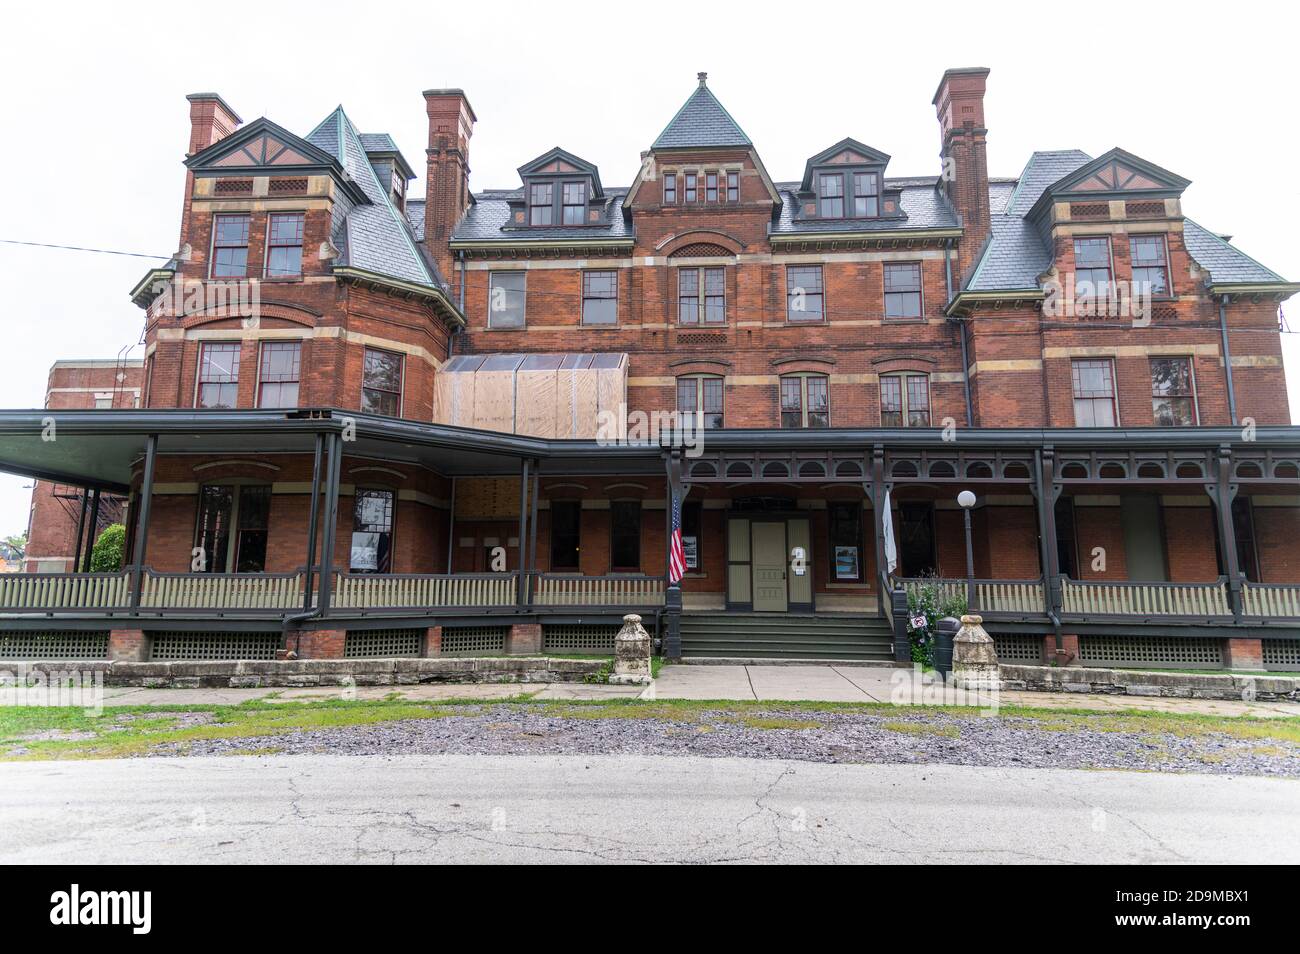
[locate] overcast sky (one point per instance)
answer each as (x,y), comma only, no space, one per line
(95,121)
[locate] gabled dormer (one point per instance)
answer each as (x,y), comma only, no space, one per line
(1115,187)
(560,191)
(847,181)
(391,167)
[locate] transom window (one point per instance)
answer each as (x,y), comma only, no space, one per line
(1091,267)
(866,195)
(1094,393)
(805,401)
(830,195)
(372,532)
(381,383)
(733,186)
(284,245)
(692,191)
(575,203)
(1150,264)
(219,375)
(702,296)
(279,374)
(804,295)
(230,246)
(670,188)
(903,290)
(600,298)
(904,400)
(1173,392)
(699,398)
(507,293)
(541,198)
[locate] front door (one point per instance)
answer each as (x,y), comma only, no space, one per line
(769,567)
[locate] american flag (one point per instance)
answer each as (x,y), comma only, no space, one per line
(676,555)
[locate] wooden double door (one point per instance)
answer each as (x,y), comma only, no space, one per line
(769,563)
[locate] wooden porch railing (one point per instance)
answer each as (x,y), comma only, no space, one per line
(68,592)
(424,590)
(558,589)
(249,592)
(1097,598)
(1271,600)
(1010,597)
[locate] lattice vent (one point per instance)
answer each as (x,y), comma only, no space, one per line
(1283,654)
(370,643)
(1144,210)
(287,187)
(1089,210)
(69,644)
(474,639)
(1177,652)
(233,187)
(199,646)
(1019,648)
(578,639)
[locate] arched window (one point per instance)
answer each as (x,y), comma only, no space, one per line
(904,400)
(805,400)
(699,398)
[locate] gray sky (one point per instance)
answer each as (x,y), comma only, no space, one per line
(95,121)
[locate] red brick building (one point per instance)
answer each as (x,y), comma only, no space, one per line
(497,397)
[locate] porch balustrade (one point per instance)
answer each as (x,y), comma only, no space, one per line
(556,589)
(62,592)
(1010,597)
(1271,600)
(424,590)
(246,592)
(1098,598)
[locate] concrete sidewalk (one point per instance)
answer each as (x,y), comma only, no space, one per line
(785,683)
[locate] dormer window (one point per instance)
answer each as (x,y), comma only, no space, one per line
(830,195)
(575,203)
(541,198)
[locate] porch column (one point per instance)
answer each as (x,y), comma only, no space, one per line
(81,529)
(313,516)
(142,527)
(331,523)
(876,490)
(672,646)
(1047,490)
(1222,492)
(94,525)
(532,528)
(523,532)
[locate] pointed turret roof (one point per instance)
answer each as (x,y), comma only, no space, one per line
(702,121)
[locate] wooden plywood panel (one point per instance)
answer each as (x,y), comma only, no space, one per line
(494,400)
(535,404)
(487,498)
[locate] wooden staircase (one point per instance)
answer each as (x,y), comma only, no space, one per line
(788,636)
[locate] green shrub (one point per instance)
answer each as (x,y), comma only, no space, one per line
(926,605)
(106,556)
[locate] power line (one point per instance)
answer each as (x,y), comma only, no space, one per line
(79,248)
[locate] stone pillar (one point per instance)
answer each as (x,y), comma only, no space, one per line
(127,645)
(631,653)
(525,639)
(1243,653)
(974,660)
(433,641)
(321,644)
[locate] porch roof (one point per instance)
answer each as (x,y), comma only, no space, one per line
(98,448)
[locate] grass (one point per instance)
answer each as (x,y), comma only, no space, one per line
(28,733)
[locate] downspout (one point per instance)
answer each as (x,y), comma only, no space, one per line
(961,330)
(1227,358)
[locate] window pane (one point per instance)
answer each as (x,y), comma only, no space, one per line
(1172,401)
(690,187)
(284,262)
(1092,253)
(918,400)
(599,298)
(625,535)
(711,187)
(231,230)
(688,292)
(213,531)
(791,402)
(712,393)
(372,529)
(866,191)
(278,384)
(733,186)
(687,391)
(381,383)
(285,229)
(507,299)
(804,293)
(715,300)
(670,189)
(891,401)
(818,415)
(219,376)
(845,533)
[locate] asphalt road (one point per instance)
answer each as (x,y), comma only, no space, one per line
(628,809)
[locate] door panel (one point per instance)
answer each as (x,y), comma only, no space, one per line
(769,554)
(800,586)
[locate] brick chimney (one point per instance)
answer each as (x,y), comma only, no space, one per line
(211,120)
(446,195)
(960,105)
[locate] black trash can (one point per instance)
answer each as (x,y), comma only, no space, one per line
(944,631)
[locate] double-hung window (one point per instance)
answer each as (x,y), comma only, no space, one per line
(830,195)
(805,401)
(702,295)
(600,298)
(699,400)
(1173,392)
(1092,267)
(381,383)
(541,199)
(507,297)
(284,245)
(230,246)
(804,294)
(1094,393)
(904,400)
(218,374)
(1150,265)
(575,203)
(903,290)
(279,374)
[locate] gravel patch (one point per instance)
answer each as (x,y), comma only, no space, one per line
(775,732)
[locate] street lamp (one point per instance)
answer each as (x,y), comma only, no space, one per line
(966,499)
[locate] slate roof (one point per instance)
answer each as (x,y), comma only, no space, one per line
(374,237)
(1225,263)
(488,217)
(702,121)
(924,203)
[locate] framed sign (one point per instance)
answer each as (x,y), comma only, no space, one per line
(691,547)
(846,563)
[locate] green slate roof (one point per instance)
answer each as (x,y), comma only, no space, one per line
(701,121)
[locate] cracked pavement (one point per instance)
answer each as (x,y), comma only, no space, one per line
(565,809)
